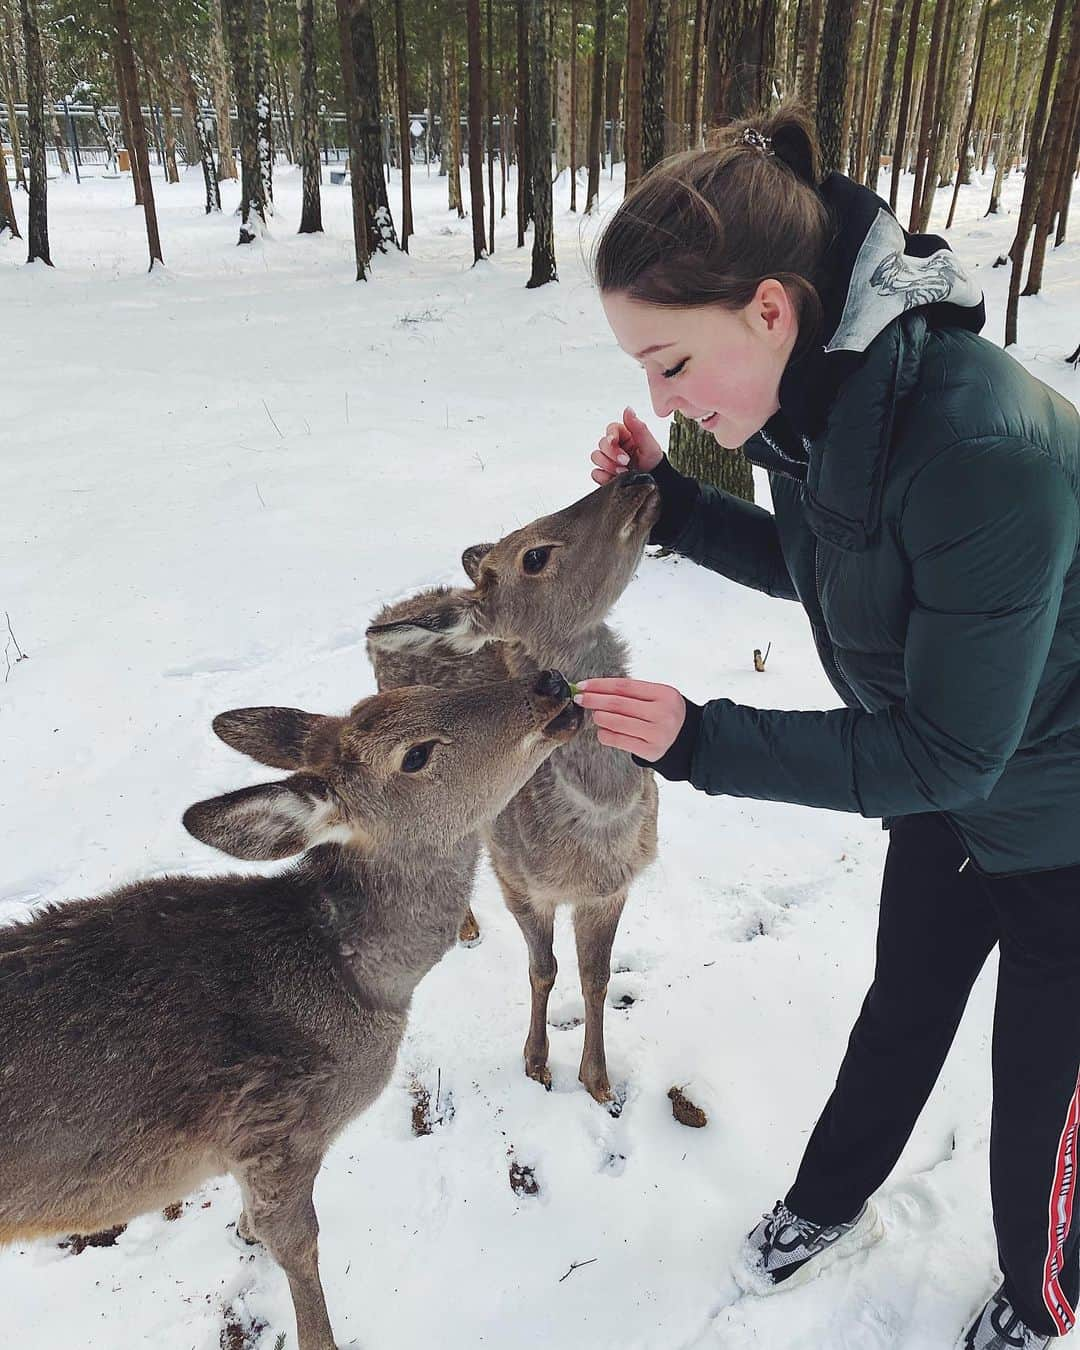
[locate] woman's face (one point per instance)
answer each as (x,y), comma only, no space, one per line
(721,367)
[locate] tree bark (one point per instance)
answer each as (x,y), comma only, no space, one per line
(260,74)
(697,453)
(965,139)
(652,94)
(311,210)
(884,112)
(453,83)
(573,102)
(635,72)
(7,209)
(868,79)
(807,80)
(190,95)
(596,112)
(476,131)
(237,18)
(900,142)
(543,250)
(696,58)
(403,124)
(350,60)
(10,76)
(219,83)
(1068,170)
(524,174)
(1058,136)
(922,197)
(1034,173)
(833,79)
(490,119)
(138,128)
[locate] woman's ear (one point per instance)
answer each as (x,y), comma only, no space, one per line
(773,314)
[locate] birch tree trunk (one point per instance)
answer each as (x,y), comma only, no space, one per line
(237,17)
(190,94)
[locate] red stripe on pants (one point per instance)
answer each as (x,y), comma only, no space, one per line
(1060,1218)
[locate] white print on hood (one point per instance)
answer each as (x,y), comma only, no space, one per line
(886,281)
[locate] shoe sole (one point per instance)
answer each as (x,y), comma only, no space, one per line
(868,1231)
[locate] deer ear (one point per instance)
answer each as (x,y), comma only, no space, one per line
(278,737)
(472,558)
(454,619)
(272,820)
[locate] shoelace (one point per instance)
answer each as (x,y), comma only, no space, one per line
(782,1218)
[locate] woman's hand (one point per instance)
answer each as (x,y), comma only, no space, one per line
(634,715)
(626,446)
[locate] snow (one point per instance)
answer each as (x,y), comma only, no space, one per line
(212,476)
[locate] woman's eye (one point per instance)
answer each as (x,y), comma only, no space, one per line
(417,757)
(535,560)
(675,370)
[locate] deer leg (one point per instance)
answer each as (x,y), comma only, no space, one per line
(280,1213)
(538,929)
(594,932)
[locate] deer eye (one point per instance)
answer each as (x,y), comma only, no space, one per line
(535,560)
(417,757)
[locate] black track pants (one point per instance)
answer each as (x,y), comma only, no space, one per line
(937,925)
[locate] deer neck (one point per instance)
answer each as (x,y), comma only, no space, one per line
(390,918)
(591,653)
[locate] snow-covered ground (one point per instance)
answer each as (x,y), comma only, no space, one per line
(211,477)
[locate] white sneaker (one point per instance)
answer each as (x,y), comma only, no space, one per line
(784,1251)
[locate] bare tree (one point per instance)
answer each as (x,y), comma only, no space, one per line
(543,250)
(350,58)
(260,74)
(38,224)
(7,209)
(1058,135)
(832,82)
(1036,169)
(9,77)
(237,18)
(652,93)
(885,105)
(476,133)
(635,71)
(403,124)
(905,102)
(190,95)
(311,211)
(965,139)
(596,111)
(524,180)
(138,127)
(219,83)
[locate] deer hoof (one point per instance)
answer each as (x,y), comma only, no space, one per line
(597,1086)
(539,1073)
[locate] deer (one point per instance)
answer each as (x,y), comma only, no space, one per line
(184,1027)
(583,827)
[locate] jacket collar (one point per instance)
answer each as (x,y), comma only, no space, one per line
(880,289)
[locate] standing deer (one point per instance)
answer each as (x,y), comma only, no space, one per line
(584,825)
(183,1027)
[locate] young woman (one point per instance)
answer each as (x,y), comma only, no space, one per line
(925,491)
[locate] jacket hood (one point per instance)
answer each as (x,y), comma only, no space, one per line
(873,271)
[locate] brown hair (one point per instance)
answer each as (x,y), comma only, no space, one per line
(708,226)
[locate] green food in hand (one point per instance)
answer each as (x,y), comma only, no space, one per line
(575,689)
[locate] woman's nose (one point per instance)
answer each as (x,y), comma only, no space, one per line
(663,398)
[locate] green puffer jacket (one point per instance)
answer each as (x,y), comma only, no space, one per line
(930,530)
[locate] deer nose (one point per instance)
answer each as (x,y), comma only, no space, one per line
(551,684)
(636,479)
